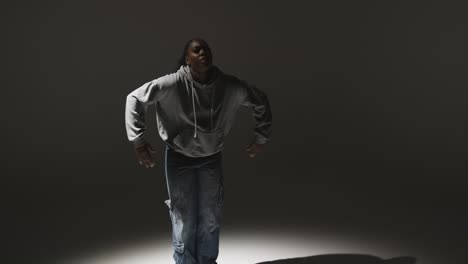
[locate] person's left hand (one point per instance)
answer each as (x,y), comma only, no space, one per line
(254,148)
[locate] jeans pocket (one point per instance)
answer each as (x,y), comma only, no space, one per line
(178,247)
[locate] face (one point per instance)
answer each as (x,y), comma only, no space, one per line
(199,56)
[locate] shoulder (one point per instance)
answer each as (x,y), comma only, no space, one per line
(161,83)
(234,82)
(231,78)
(166,81)
(156,87)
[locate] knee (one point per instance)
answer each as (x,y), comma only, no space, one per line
(209,224)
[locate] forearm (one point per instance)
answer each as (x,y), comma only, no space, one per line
(262,114)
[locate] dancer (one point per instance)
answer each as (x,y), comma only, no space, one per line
(195,108)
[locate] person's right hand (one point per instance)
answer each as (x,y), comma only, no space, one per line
(144,155)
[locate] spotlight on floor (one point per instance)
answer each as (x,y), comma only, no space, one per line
(277,247)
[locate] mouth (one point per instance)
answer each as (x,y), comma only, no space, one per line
(204,61)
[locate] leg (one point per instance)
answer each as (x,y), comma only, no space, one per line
(182,203)
(210,200)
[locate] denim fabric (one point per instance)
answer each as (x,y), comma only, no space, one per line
(196,192)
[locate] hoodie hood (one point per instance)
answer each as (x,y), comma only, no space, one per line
(184,70)
(191,83)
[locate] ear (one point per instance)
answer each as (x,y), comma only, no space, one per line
(186,60)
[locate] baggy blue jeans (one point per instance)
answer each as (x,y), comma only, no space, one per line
(196,192)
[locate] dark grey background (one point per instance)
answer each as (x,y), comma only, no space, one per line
(369,110)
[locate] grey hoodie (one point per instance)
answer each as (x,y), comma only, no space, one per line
(193,118)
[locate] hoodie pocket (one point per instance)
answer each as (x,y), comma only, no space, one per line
(204,144)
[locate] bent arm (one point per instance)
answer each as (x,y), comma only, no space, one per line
(136,105)
(257,100)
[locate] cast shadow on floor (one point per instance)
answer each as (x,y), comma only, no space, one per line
(343,259)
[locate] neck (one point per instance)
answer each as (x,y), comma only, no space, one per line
(201,77)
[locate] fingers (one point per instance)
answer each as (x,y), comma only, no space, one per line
(145,157)
(251,151)
(147,163)
(150,164)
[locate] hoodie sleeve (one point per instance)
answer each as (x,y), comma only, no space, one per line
(257,100)
(137,103)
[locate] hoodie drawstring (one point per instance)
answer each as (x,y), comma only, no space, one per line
(194,111)
(212,98)
(193,104)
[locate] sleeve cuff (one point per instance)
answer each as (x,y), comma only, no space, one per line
(259,139)
(138,142)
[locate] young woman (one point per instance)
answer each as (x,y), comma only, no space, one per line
(195,108)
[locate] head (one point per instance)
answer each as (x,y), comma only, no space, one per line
(197,54)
